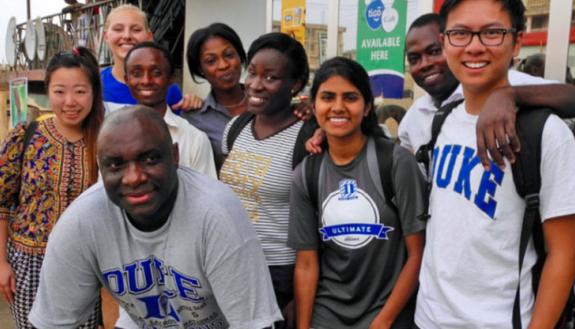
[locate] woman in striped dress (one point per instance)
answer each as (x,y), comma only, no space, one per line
(259,164)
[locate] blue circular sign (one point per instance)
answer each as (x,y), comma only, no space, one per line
(373,14)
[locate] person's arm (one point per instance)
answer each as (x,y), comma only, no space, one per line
(10,178)
(303,110)
(69,287)
(558,272)
(314,143)
(306,275)
(189,102)
(405,285)
(7,278)
(495,130)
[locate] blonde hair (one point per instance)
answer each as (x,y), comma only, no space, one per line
(131,7)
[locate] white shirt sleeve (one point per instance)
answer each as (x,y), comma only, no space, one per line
(68,264)
(202,157)
(236,269)
(557,194)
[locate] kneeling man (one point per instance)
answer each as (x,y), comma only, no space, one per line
(174,247)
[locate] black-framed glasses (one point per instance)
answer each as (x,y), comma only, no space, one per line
(488,37)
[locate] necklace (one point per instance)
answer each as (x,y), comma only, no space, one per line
(238,104)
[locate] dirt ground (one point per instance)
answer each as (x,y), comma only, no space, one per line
(6,321)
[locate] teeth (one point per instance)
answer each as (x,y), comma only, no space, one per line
(147,92)
(257,100)
(475,65)
(338,120)
(431,77)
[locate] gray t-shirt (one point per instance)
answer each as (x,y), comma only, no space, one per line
(359,238)
(204,268)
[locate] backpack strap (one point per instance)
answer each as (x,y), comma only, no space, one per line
(423,154)
(312,166)
(527,179)
(236,128)
(384,151)
(305,133)
(28,133)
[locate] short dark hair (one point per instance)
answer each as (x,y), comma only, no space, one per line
(153,45)
(424,20)
(515,9)
(200,36)
(291,48)
(354,73)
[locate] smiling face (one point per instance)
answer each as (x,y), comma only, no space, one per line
(138,165)
(148,77)
(125,29)
(268,83)
(427,64)
(71,97)
(340,108)
(480,68)
(220,64)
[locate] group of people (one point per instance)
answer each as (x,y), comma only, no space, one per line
(350,237)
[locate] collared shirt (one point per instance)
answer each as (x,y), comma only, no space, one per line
(211,119)
(193,144)
(415,128)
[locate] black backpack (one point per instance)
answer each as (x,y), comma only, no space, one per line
(527,179)
(384,150)
(299,151)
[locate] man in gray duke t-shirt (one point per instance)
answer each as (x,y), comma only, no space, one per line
(174,247)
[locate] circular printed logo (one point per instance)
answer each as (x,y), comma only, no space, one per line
(350,217)
(373,13)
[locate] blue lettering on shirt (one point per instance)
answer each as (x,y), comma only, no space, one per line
(347,189)
(142,275)
(159,306)
(444,159)
(377,230)
(463,183)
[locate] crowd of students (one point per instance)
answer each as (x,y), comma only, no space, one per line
(218,217)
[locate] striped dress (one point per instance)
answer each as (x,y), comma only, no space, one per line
(260,172)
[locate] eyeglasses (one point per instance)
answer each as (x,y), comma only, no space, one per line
(488,37)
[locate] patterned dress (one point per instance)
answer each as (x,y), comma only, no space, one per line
(34,191)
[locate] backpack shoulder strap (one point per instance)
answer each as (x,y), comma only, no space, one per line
(236,128)
(305,133)
(28,133)
(423,154)
(384,151)
(526,170)
(527,179)
(312,166)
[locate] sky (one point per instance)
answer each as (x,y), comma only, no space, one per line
(17,8)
